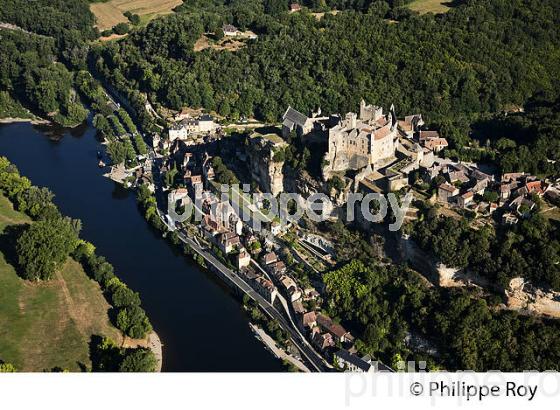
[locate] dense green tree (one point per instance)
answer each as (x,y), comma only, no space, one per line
(132,320)
(123,297)
(138,360)
(28,71)
(106,356)
(529,250)
(297,61)
(44,246)
(121,28)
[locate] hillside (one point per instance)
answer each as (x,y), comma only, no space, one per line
(47,325)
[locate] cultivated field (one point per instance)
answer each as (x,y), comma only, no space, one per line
(47,325)
(430,6)
(111,13)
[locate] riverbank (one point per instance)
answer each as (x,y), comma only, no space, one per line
(278,352)
(178,296)
(47,325)
(152,342)
(34,121)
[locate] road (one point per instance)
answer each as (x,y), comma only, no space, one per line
(312,357)
(278,352)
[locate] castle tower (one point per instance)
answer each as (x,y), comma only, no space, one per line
(393,116)
(363,110)
(351,120)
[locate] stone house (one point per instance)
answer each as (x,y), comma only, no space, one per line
(309,320)
(447,192)
(411,125)
(265,288)
(228,241)
(353,363)
(230,30)
(322,340)
(243,259)
(336,330)
(465,199)
(290,287)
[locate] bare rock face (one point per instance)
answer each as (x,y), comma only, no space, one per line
(436,272)
(522,295)
(264,168)
(449,277)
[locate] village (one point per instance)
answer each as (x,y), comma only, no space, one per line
(370,151)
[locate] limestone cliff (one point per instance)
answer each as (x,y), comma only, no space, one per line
(266,167)
(522,295)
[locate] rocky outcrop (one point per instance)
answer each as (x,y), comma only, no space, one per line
(436,272)
(265,166)
(418,259)
(522,295)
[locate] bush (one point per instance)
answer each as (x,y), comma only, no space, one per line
(121,28)
(106,356)
(7,368)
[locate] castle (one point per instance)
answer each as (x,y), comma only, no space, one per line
(358,141)
(371,142)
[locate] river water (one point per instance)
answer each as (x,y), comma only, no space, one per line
(201,324)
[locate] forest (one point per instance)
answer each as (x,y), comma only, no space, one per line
(530,250)
(454,68)
(30,74)
(53,18)
(393,313)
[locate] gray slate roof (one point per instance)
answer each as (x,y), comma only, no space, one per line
(294,117)
(355,360)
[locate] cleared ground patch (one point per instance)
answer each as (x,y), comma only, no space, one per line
(47,325)
(319,16)
(228,44)
(430,6)
(111,13)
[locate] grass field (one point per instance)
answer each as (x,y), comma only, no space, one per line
(110,13)
(47,325)
(430,6)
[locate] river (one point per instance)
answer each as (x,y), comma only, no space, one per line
(201,324)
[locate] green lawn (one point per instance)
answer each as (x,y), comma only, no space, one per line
(429,6)
(47,325)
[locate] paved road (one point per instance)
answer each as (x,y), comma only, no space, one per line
(312,357)
(278,352)
(315,360)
